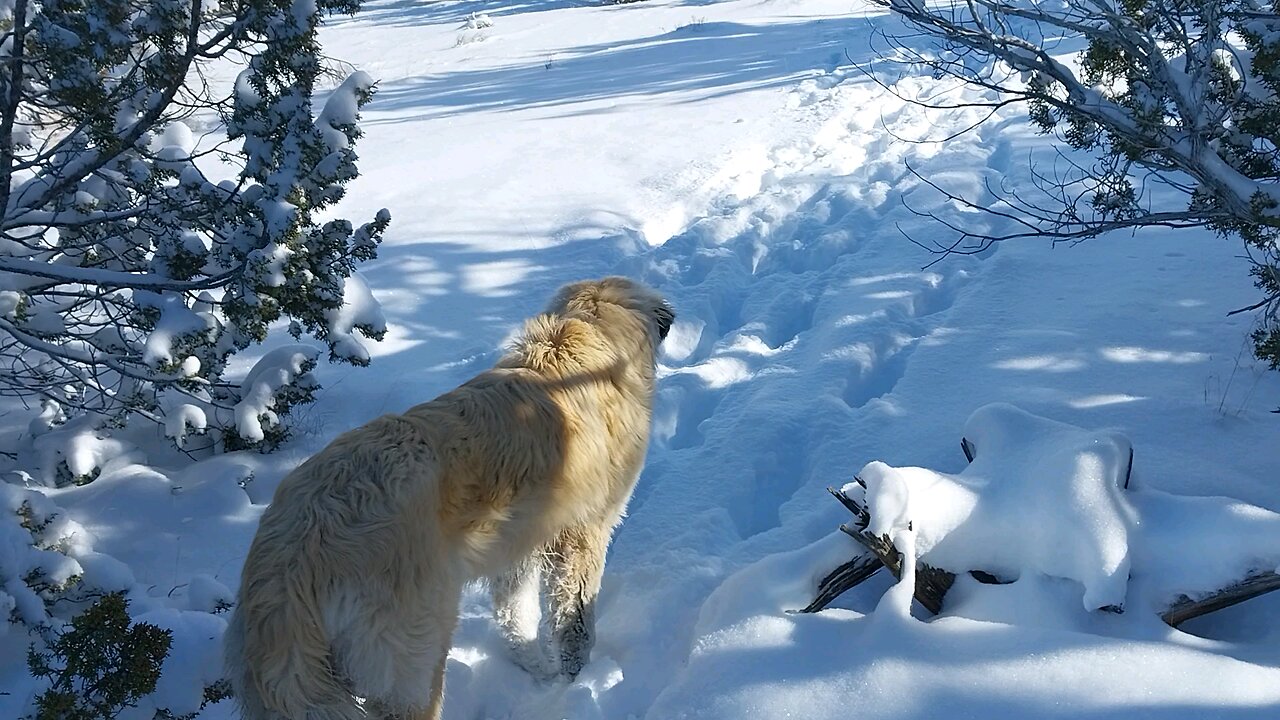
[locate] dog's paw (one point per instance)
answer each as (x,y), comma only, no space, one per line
(571,665)
(530,657)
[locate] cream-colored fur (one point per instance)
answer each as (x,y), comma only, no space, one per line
(352,584)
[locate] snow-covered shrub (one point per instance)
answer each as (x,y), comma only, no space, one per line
(102,663)
(35,569)
(1178,99)
(137,253)
(74,451)
(278,382)
(91,652)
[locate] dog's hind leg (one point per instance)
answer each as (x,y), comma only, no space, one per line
(577,559)
(397,657)
(517,612)
(434,709)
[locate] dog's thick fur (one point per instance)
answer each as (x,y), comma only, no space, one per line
(352,584)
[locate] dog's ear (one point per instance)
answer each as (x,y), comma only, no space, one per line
(581,297)
(666,315)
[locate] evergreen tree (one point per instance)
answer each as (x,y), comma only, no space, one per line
(139,252)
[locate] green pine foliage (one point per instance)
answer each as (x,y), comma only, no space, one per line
(102,664)
(1237,118)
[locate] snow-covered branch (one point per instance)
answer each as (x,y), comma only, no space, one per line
(101,277)
(128,277)
(1178,95)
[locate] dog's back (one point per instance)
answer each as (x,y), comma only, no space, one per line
(352,583)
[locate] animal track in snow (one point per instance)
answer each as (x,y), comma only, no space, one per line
(685,401)
(776,475)
(917,294)
(877,369)
(794,272)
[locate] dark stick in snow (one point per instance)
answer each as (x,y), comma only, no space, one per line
(848,575)
(1254,584)
(931,583)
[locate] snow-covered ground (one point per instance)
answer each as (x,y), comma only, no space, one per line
(727,153)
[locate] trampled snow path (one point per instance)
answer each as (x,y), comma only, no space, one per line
(802,308)
(796,313)
(725,153)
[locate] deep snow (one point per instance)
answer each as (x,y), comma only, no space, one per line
(727,153)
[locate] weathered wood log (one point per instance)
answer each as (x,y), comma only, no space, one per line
(851,573)
(932,583)
(1254,584)
(860,512)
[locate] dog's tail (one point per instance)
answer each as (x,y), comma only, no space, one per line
(277,651)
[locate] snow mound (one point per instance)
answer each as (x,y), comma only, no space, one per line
(76,450)
(30,531)
(1042,497)
(1043,501)
(1039,496)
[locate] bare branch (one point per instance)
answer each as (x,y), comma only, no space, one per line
(1255,584)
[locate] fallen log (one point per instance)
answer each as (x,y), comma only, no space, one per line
(933,583)
(1254,584)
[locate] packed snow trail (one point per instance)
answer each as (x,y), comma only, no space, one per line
(728,154)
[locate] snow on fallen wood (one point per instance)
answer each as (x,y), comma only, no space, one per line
(1044,497)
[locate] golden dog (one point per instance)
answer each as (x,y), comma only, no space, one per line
(352,584)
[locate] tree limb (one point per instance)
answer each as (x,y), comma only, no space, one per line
(1254,584)
(848,575)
